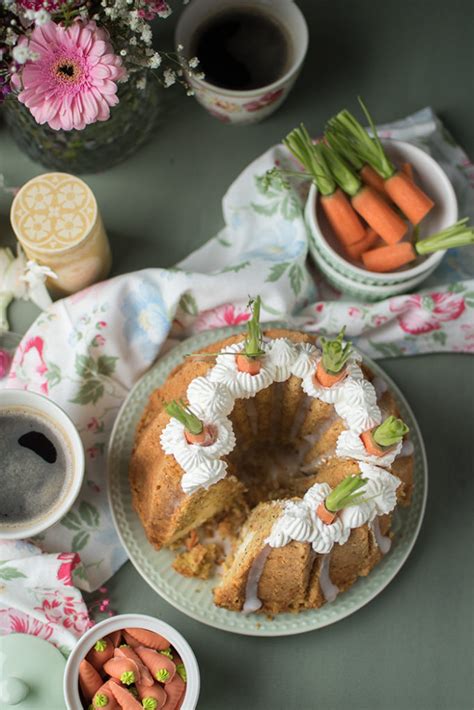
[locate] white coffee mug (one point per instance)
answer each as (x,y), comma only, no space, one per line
(42,407)
(243,107)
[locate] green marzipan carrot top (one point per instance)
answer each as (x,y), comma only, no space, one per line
(183,414)
(100,645)
(348,492)
(335,353)
(390,432)
(149,703)
(253,340)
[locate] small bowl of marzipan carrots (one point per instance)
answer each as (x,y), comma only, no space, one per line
(381,212)
(132,662)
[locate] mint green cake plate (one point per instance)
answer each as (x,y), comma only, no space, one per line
(193,596)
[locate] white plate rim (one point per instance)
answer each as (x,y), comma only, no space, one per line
(260,629)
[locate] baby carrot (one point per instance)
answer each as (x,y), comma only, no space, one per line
(365,200)
(408,170)
(356,250)
(413,202)
(337,208)
(372,178)
(391,257)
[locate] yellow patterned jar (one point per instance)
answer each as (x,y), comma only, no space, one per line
(57,222)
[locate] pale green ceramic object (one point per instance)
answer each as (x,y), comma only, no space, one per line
(194,597)
(31,674)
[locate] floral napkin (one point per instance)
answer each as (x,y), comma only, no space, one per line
(86,351)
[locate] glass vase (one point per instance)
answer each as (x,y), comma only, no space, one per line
(99,145)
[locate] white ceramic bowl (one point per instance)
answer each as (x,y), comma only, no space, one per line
(432,178)
(364,292)
(85,643)
(42,406)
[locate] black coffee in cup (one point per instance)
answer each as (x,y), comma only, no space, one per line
(35,466)
(242,49)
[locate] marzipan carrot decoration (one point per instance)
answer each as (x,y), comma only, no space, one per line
(115,637)
(128,652)
(104,698)
(368,202)
(161,667)
(89,680)
(339,142)
(125,698)
(102,650)
(381,439)
(337,208)
(390,258)
(148,638)
(250,359)
(123,669)
(332,366)
(356,250)
(413,202)
(348,492)
(153,698)
(195,431)
(175,691)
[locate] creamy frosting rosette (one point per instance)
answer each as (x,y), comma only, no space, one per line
(209,398)
(242,385)
(349,445)
(357,405)
(333,394)
(307,360)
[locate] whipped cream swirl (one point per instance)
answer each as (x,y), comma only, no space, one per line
(350,445)
(241,385)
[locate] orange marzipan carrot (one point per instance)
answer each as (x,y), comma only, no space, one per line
(124,698)
(251,365)
(371,446)
(407,168)
(389,258)
(325,378)
(89,680)
(324,514)
(372,178)
(342,218)
(413,202)
(379,215)
(205,438)
(356,250)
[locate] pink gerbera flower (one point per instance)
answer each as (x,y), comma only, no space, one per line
(71,83)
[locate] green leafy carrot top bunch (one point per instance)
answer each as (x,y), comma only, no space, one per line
(364,196)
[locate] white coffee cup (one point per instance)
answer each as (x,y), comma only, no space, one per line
(242,107)
(44,408)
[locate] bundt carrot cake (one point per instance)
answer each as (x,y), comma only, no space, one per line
(298,435)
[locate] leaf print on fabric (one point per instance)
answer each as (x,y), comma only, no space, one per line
(89,392)
(387,349)
(296,278)
(279,199)
(188,304)
(235,268)
(9,573)
(277,271)
(106,365)
(83,522)
(53,374)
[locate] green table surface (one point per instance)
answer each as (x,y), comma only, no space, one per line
(410,648)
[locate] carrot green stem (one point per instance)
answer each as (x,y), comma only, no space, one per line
(390,432)
(178,410)
(458,235)
(342,174)
(368,149)
(347,492)
(299,143)
(340,144)
(335,353)
(253,340)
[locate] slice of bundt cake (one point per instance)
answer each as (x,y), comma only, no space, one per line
(271,421)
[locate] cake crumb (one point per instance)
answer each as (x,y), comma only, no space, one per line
(198,561)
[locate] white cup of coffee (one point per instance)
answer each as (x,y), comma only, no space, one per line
(41,463)
(250,51)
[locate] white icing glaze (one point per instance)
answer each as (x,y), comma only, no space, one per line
(350,445)
(252,602)
(329,590)
(384,543)
(380,489)
(295,523)
(208,398)
(241,385)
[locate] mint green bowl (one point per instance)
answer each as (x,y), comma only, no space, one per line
(432,178)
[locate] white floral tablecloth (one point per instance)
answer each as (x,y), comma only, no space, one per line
(87,351)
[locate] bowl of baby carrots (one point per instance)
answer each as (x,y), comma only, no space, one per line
(132,662)
(381,213)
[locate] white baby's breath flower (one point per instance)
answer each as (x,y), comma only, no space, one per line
(180,48)
(154,61)
(141,84)
(42,17)
(169,77)
(146,34)
(21,53)
(193,62)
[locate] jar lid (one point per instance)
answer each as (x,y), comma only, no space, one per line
(53,212)
(31,673)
